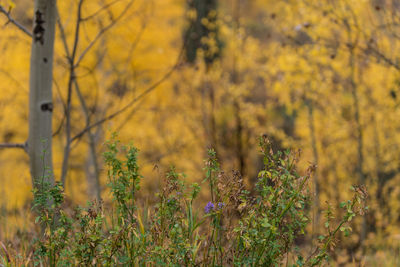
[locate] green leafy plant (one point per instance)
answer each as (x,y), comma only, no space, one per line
(236,227)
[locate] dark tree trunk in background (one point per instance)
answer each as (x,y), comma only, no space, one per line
(198,31)
(202,34)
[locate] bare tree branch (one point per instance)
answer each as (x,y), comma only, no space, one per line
(133,101)
(13,21)
(24,146)
(380,55)
(140,96)
(71,80)
(58,129)
(103,31)
(92,137)
(97,12)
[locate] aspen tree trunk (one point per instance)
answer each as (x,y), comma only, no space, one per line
(40,92)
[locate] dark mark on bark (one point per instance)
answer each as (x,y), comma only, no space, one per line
(47,107)
(45,60)
(38,30)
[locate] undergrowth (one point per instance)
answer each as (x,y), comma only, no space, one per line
(236,227)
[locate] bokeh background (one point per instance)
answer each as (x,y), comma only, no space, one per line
(320,76)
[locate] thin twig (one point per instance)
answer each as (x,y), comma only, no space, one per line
(60,126)
(103,8)
(13,21)
(382,56)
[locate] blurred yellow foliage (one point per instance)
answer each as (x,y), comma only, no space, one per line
(322,76)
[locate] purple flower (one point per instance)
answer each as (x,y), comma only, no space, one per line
(221,205)
(209,207)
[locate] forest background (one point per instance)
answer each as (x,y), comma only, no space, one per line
(177,77)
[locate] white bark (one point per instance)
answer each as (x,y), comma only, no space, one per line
(40,94)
